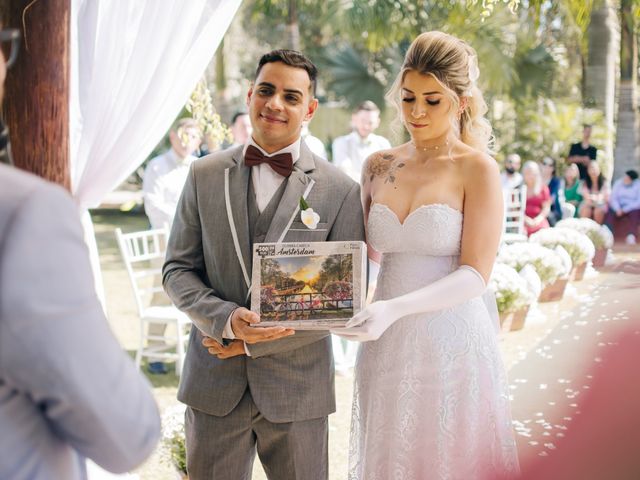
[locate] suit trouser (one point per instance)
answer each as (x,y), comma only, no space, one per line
(224,448)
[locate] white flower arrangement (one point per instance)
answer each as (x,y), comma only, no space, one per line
(577,244)
(511,290)
(548,264)
(600,235)
(565,258)
(173,437)
(532,278)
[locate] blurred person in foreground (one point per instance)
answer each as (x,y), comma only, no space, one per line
(602,442)
(67,389)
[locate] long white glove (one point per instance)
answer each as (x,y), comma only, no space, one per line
(459,286)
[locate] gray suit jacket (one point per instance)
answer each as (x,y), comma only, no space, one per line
(290,378)
(67,389)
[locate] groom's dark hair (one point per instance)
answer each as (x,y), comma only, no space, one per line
(293,59)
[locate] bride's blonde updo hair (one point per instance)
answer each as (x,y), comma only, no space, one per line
(453,63)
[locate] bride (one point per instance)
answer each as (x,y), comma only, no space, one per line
(431,397)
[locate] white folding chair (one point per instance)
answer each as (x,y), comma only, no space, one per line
(515,202)
(143,253)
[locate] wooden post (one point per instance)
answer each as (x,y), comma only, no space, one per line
(36,104)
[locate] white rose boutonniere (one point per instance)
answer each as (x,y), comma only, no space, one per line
(308,216)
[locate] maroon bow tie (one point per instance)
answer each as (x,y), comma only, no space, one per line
(281,163)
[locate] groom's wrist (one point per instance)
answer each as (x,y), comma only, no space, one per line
(228,332)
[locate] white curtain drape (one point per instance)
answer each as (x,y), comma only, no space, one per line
(133,65)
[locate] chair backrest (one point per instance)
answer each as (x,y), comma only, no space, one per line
(143,254)
(515,202)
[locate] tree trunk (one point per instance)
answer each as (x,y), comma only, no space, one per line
(602,67)
(292,26)
(36,106)
(627,152)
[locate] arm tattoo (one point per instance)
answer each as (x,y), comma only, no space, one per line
(384,165)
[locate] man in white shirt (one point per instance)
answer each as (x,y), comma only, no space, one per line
(240,128)
(314,143)
(162,186)
(350,151)
(165,174)
(511,177)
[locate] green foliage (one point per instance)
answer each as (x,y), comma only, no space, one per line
(350,78)
(538,127)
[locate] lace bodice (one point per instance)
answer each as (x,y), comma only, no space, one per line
(434,229)
(422,249)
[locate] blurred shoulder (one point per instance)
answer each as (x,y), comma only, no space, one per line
(31,199)
(18,186)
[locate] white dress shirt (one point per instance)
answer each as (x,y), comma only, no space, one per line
(509,182)
(350,152)
(162,185)
(265,184)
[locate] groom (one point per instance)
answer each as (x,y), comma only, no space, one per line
(267,389)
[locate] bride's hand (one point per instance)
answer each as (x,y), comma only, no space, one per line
(369,324)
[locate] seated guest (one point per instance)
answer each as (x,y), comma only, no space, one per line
(595,190)
(555,189)
(624,206)
(538,199)
(572,186)
(511,177)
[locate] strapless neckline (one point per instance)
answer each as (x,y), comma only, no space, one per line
(440,206)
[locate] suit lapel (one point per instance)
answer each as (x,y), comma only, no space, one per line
(299,184)
(236,202)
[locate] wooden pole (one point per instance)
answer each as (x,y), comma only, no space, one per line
(36,105)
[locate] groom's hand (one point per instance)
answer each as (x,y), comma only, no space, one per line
(242,324)
(233,349)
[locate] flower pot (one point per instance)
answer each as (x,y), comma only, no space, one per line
(600,257)
(506,319)
(554,291)
(577,273)
(519,318)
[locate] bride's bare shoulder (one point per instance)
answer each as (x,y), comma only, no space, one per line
(383,163)
(476,165)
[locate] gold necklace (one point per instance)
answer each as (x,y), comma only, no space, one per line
(431,148)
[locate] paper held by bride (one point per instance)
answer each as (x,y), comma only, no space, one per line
(308,286)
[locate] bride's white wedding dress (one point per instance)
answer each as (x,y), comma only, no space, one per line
(431,395)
